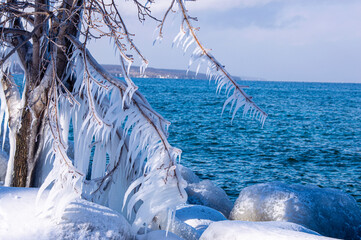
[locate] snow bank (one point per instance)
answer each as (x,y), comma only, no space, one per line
(81,220)
(3,165)
(206,193)
(241,230)
(86,220)
(329,212)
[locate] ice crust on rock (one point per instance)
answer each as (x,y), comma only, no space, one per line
(198,217)
(189,221)
(329,212)
(206,193)
(188,175)
(87,220)
(243,230)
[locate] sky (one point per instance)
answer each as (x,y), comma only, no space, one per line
(275,40)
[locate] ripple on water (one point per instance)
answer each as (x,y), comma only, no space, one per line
(312,134)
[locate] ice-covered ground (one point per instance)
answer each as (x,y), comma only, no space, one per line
(20,219)
(278,204)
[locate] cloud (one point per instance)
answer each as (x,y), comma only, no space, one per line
(274,39)
(217,5)
(160,6)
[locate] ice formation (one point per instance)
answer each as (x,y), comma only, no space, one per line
(190,221)
(329,212)
(3,166)
(242,230)
(236,97)
(198,217)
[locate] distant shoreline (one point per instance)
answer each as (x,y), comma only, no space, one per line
(179,74)
(158,73)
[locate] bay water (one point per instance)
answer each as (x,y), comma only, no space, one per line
(311,136)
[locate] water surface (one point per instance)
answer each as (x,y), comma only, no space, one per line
(312,134)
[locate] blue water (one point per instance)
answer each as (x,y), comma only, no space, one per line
(312,134)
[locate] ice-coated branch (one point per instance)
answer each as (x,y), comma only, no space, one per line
(236,95)
(150,160)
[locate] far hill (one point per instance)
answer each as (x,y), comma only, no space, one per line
(150,73)
(157,73)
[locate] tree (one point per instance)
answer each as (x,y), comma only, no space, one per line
(134,168)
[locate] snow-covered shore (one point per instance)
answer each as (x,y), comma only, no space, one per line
(264,211)
(21,218)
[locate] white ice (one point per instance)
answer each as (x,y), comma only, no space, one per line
(158,235)
(3,165)
(198,217)
(243,230)
(329,212)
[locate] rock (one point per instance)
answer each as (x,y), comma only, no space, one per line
(329,212)
(205,192)
(242,230)
(208,194)
(188,175)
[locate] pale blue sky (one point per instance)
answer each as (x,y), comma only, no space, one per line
(280,40)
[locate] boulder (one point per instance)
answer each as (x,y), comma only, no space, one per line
(329,212)
(198,217)
(206,193)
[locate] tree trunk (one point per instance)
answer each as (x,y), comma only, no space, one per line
(30,137)
(42,64)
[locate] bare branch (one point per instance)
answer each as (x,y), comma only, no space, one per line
(15,31)
(161,25)
(3,60)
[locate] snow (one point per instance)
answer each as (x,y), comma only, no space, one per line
(242,230)
(329,212)
(3,165)
(206,193)
(20,219)
(158,235)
